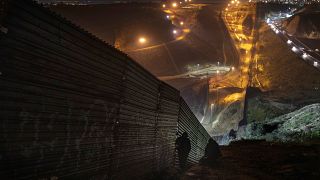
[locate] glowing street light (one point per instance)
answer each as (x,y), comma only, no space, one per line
(315,63)
(168,17)
(232,68)
(289,42)
(163,5)
(181,23)
(175,31)
(174,5)
(142,40)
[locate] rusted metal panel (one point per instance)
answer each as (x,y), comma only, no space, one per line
(169,92)
(167,121)
(50,133)
(58,105)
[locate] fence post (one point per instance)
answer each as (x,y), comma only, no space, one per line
(156,130)
(176,164)
(116,127)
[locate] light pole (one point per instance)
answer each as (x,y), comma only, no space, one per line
(217,103)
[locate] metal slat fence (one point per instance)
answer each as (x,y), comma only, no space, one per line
(75,107)
(197,134)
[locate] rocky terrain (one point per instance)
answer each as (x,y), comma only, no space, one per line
(302,125)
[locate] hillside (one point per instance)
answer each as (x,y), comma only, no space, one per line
(305,23)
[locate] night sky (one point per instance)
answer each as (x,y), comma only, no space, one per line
(94,1)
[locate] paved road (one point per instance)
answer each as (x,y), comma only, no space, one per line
(307,54)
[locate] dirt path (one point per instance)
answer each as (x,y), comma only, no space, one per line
(261,160)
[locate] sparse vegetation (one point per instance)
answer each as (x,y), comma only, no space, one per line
(301,125)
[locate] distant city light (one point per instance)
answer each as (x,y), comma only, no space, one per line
(289,41)
(305,55)
(174,4)
(181,23)
(163,5)
(232,68)
(268,20)
(294,49)
(315,63)
(174,31)
(168,17)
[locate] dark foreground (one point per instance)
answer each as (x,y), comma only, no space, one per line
(258,160)
(262,160)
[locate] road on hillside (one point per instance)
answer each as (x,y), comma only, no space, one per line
(189,45)
(307,53)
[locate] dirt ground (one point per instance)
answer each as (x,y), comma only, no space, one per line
(261,160)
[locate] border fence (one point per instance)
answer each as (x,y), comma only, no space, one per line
(74,107)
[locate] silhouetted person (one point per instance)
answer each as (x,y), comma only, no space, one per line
(211,154)
(183,147)
(232,134)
